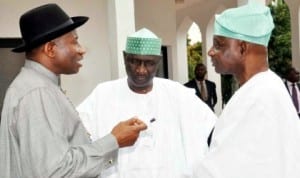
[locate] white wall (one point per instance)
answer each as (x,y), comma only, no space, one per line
(93,36)
(160,18)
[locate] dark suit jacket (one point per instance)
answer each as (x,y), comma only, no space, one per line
(211,91)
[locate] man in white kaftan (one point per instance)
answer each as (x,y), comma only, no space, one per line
(258,132)
(178,122)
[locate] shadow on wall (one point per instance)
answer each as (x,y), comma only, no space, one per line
(163,65)
(10,64)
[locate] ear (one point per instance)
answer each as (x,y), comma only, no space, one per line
(243,47)
(49,49)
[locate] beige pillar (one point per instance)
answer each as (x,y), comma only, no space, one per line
(294,7)
(121,23)
(243,2)
(182,49)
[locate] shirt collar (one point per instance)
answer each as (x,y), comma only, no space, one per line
(290,83)
(198,81)
(42,70)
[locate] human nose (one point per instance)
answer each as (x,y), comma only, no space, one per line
(81,50)
(211,51)
(141,68)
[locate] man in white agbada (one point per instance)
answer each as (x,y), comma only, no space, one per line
(258,133)
(178,122)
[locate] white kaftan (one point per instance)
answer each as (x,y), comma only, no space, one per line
(257,135)
(172,143)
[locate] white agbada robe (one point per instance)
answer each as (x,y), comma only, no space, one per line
(172,143)
(257,134)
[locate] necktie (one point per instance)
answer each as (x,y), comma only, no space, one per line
(203,91)
(295,96)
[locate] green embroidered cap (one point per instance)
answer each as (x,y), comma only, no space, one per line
(252,23)
(143,42)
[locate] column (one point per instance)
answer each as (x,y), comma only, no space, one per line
(121,23)
(243,2)
(294,7)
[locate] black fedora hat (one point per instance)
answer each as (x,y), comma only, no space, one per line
(45,23)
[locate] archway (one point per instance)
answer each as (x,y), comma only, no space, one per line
(194,48)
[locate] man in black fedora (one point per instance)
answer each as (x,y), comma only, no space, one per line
(41,134)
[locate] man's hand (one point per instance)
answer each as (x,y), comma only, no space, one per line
(127,132)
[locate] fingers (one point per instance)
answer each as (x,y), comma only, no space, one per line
(132,121)
(140,125)
(127,132)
